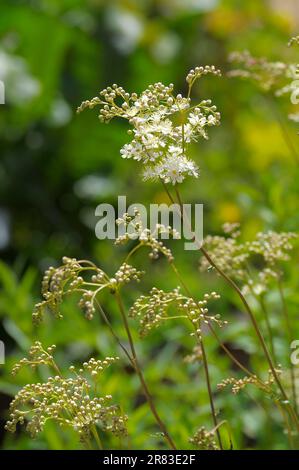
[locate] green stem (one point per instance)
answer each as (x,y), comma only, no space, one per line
(289,332)
(97,437)
(140,374)
(261,301)
(208,383)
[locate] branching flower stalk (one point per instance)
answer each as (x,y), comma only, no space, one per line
(68,279)
(69,401)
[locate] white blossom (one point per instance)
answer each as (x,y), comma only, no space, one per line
(163,126)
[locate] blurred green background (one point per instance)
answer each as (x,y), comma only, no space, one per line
(56,167)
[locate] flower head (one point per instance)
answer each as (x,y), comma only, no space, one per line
(160,122)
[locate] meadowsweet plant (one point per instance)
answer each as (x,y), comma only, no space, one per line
(162,126)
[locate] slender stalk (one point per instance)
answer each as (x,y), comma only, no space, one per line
(106,320)
(97,437)
(208,382)
(261,301)
(289,332)
(288,427)
(205,363)
(140,374)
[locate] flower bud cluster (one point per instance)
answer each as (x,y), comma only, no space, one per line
(266,75)
(135,229)
(273,246)
(238,259)
(37,356)
(240,384)
(158,306)
(84,278)
(198,72)
(70,402)
(204,440)
(294,40)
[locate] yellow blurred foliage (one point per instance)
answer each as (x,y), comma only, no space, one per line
(223,21)
(228,212)
(265,143)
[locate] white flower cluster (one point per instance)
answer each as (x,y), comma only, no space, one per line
(163,124)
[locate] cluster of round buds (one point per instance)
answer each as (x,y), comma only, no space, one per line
(265,277)
(127,273)
(267,75)
(67,279)
(198,312)
(230,254)
(94,367)
(135,230)
(204,440)
(54,284)
(97,411)
(99,278)
(158,247)
(86,303)
(154,96)
(37,356)
(90,104)
(150,239)
(153,309)
(68,401)
(232,229)
(195,356)
(55,278)
(294,40)
(132,226)
(273,246)
(238,384)
(198,72)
